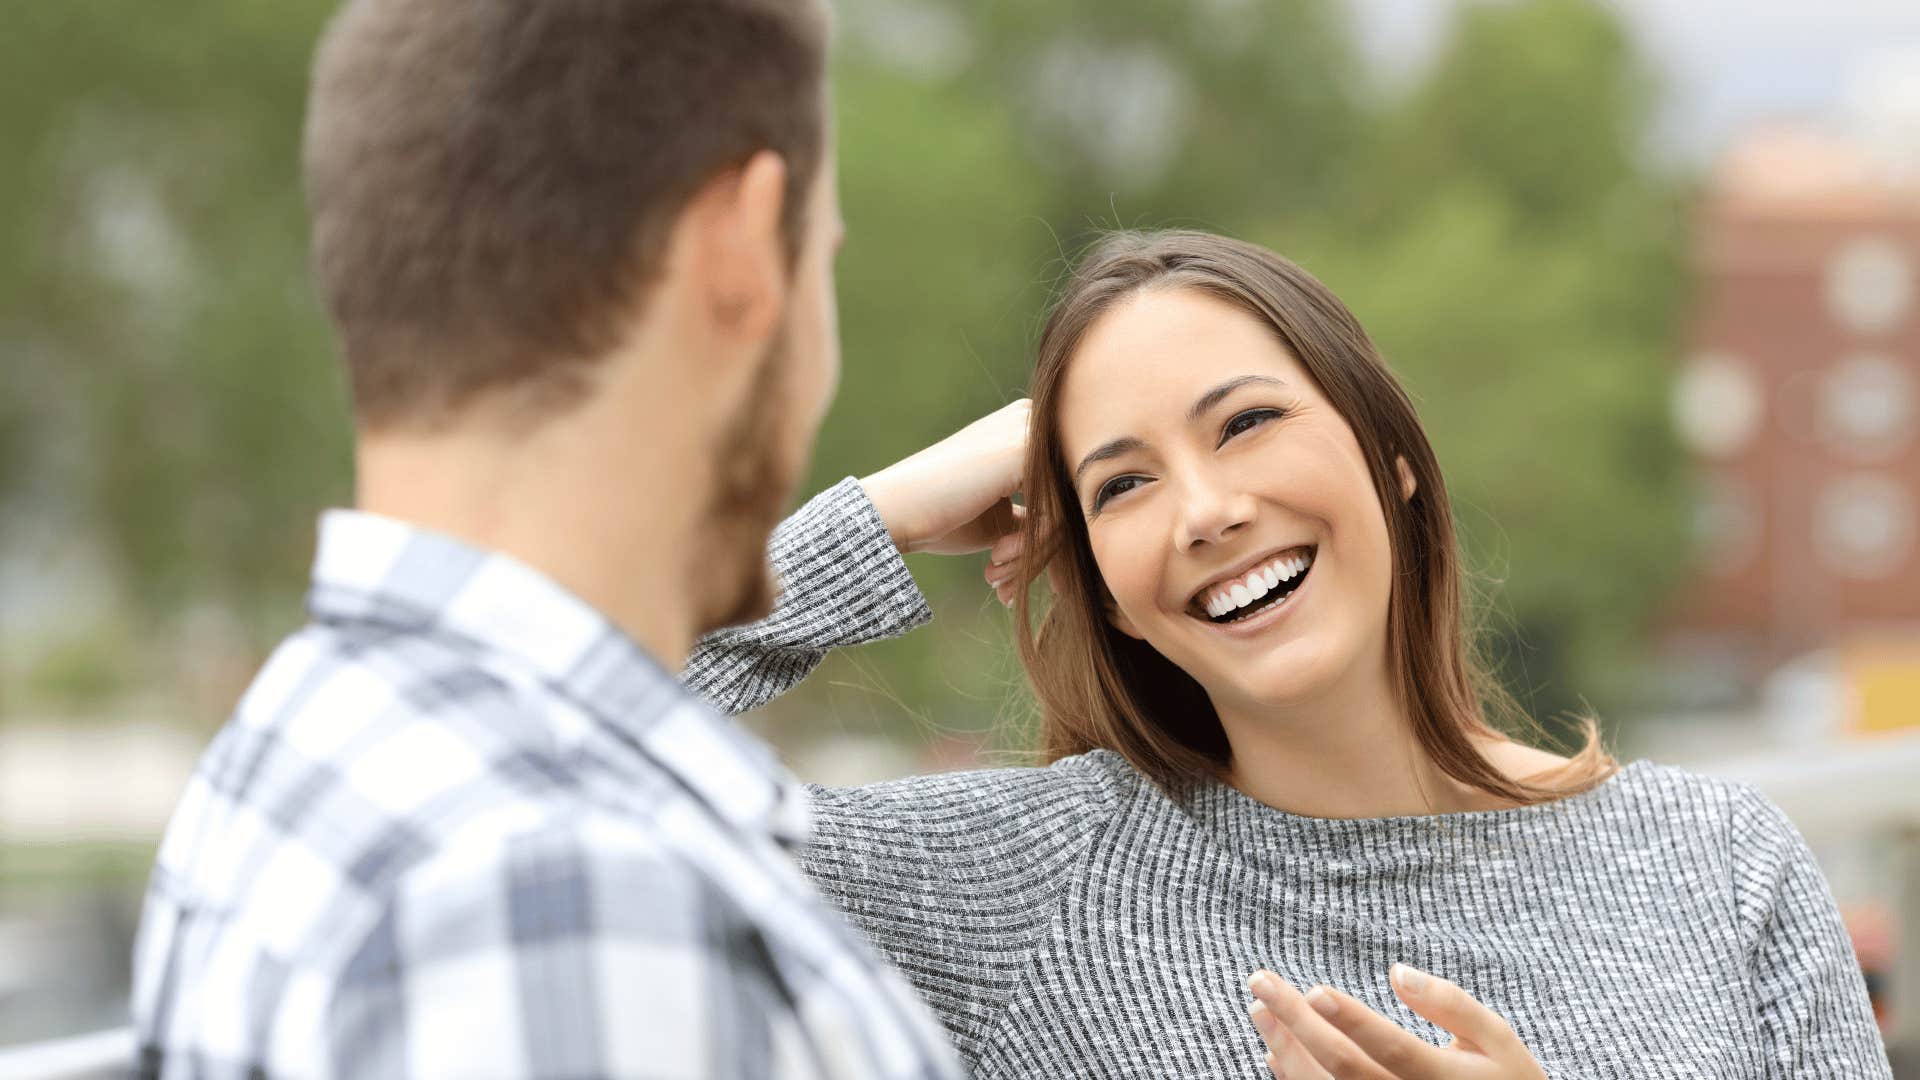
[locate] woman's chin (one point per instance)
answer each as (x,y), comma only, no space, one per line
(1284,679)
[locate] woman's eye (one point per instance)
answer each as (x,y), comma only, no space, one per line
(1119,485)
(1247,421)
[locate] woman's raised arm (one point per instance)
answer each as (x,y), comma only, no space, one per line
(838,560)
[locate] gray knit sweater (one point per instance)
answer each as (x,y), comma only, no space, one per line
(1076,921)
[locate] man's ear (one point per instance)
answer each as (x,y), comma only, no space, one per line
(736,249)
(1407,484)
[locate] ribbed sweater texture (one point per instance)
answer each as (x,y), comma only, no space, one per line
(1076,920)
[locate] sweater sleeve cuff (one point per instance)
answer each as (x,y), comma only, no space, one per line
(834,555)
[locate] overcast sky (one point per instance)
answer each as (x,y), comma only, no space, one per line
(1725,63)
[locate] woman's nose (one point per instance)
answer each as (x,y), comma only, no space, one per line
(1211,514)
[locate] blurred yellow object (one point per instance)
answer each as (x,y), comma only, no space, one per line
(1883,677)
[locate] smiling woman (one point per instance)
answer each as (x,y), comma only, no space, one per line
(1227,414)
(1271,751)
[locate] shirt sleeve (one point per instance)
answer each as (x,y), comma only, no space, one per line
(842,582)
(560,954)
(1811,995)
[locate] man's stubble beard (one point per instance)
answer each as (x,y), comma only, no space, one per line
(752,484)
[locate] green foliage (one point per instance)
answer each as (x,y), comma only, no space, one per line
(1495,227)
(1520,267)
(153,298)
(1253,105)
(84,671)
(120,866)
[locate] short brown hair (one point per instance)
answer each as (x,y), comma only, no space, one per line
(492,182)
(1098,688)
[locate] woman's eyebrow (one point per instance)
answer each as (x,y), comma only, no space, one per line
(1125,444)
(1219,393)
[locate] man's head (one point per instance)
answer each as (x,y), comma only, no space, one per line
(515,204)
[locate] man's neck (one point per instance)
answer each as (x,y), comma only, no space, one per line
(548,500)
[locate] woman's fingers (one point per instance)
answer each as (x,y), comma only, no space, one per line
(1331,1048)
(1287,1057)
(1006,549)
(1453,1009)
(1396,1049)
(1003,585)
(1003,565)
(954,497)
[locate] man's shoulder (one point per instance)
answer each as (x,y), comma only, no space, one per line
(354,770)
(386,821)
(530,923)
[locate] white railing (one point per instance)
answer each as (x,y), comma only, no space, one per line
(1836,788)
(83,1057)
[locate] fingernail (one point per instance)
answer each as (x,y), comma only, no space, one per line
(1262,1016)
(1260,982)
(1411,979)
(1322,1001)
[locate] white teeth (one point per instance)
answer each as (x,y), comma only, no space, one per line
(1256,584)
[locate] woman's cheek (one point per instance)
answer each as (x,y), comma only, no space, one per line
(1130,579)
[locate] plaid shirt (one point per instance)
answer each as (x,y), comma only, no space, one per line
(461,826)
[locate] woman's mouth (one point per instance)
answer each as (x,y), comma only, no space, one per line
(1259,590)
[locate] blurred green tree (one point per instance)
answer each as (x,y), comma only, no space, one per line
(1149,112)
(165,370)
(154,306)
(1520,263)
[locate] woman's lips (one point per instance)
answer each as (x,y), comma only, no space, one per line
(1254,624)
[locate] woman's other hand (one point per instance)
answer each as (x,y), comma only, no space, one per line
(1003,560)
(955,497)
(1325,1033)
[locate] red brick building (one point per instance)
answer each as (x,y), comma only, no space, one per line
(1799,396)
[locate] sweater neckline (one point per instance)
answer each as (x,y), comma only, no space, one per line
(1222,808)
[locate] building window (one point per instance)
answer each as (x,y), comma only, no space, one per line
(1869,285)
(1716,405)
(1867,406)
(1863,526)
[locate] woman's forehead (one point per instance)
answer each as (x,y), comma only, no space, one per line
(1143,364)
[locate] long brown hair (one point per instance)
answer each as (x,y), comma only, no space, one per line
(1099,688)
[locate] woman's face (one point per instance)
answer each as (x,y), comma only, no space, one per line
(1230,511)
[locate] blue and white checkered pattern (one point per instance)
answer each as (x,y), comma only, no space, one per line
(461,826)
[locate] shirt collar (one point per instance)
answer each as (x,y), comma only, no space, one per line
(380,571)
